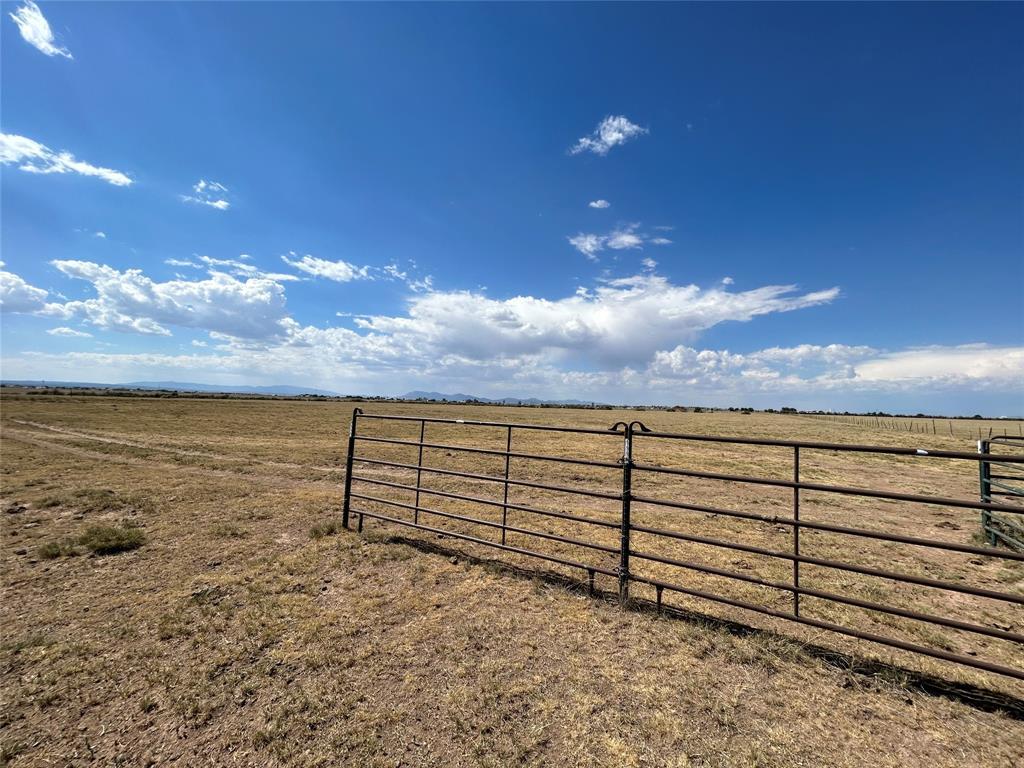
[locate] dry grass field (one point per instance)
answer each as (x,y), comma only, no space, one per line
(176,592)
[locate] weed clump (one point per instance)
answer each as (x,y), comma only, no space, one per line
(325,529)
(54,549)
(111,539)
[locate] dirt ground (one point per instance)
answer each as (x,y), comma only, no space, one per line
(248,630)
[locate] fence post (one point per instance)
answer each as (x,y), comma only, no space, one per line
(348,467)
(985,476)
(504,508)
(419,472)
(796,529)
(627,492)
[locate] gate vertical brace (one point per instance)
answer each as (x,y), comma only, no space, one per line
(985,476)
(419,471)
(796,530)
(504,508)
(627,495)
(348,467)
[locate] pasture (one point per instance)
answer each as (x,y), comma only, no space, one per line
(233,623)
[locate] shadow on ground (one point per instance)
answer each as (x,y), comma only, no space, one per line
(977,697)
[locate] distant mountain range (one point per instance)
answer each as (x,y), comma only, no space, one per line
(459,397)
(183,386)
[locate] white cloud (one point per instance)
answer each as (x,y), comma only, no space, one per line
(242,268)
(609,133)
(966,362)
(599,204)
(16,295)
(101,235)
(181,263)
(339,271)
(588,324)
(623,237)
(628,339)
(208,193)
(415,284)
(35,29)
(129,301)
(649,264)
(34,157)
(69,333)
(588,244)
(727,281)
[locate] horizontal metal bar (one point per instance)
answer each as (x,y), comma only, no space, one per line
(863,532)
(820,624)
(514,455)
(502,424)
(475,540)
(847,447)
(490,502)
(1005,537)
(923,581)
(490,524)
(926,617)
(1012,489)
(493,478)
(1000,464)
(867,492)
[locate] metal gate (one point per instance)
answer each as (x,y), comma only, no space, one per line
(633,551)
(999,478)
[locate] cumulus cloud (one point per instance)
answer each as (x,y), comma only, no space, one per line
(130,301)
(966,362)
(339,271)
(35,30)
(586,327)
(588,324)
(629,339)
(599,204)
(16,295)
(623,237)
(610,132)
(70,333)
(33,157)
(208,193)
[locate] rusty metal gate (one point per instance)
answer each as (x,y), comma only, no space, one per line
(612,552)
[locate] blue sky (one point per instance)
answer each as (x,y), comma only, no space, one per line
(809,205)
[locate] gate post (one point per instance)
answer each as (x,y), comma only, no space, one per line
(985,472)
(796,529)
(627,493)
(348,467)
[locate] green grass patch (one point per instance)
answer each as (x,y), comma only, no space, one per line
(111,539)
(54,549)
